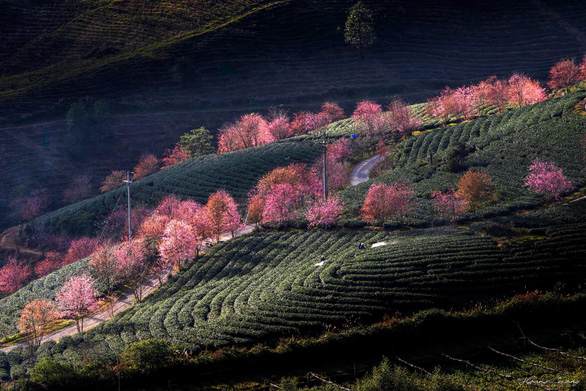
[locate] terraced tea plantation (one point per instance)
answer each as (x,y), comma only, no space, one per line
(236,172)
(274,284)
(503,145)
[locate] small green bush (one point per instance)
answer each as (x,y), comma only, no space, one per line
(386,377)
(52,374)
(147,356)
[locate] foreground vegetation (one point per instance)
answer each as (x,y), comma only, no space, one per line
(425,339)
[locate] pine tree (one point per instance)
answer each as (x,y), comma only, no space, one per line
(359,31)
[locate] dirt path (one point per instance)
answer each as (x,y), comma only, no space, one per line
(121,304)
(361,172)
(8,244)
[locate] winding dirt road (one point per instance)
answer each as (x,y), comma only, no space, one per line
(361,172)
(121,304)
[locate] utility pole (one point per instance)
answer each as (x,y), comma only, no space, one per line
(128,182)
(325,171)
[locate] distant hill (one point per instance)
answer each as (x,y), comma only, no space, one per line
(168,67)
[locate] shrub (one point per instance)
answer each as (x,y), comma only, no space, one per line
(388,377)
(52,374)
(147,356)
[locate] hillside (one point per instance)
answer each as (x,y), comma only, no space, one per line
(267,285)
(502,145)
(290,54)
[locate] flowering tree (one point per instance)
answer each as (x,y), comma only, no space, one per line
(224,214)
(447,205)
(250,131)
(324,212)
(369,115)
(278,125)
(564,74)
(402,118)
(168,206)
(80,249)
(297,124)
(34,317)
(14,275)
(113,181)
(32,205)
(333,111)
(547,179)
(148,164)
(174,156)
(255,207)
(315,121)
(53,260)
(457,103)
(475,188)
(202,224)
(387,202)
(132,265)
(153,227)
(340,150)
(77,298)
(280,204)
(491,91)
(524,91)
(79,189)
(178,243)
(304,181)
(104,267)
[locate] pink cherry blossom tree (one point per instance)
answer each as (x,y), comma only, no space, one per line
(280,204)
(278,125)
(313,121)
(250,131)
(524,91)
(104,267)
(202,224)
(79,249)
(53,260)
(388,202)
(324,212)
(174,156)
(178,244)
(339,150)
(77,298)
(369,115)
(256,205)
(402,118)
(547,179)
(14,275)
(333,111)
(153,227)
(491,92)
(132,265)
(447,205)
(564,74)
(224,213)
